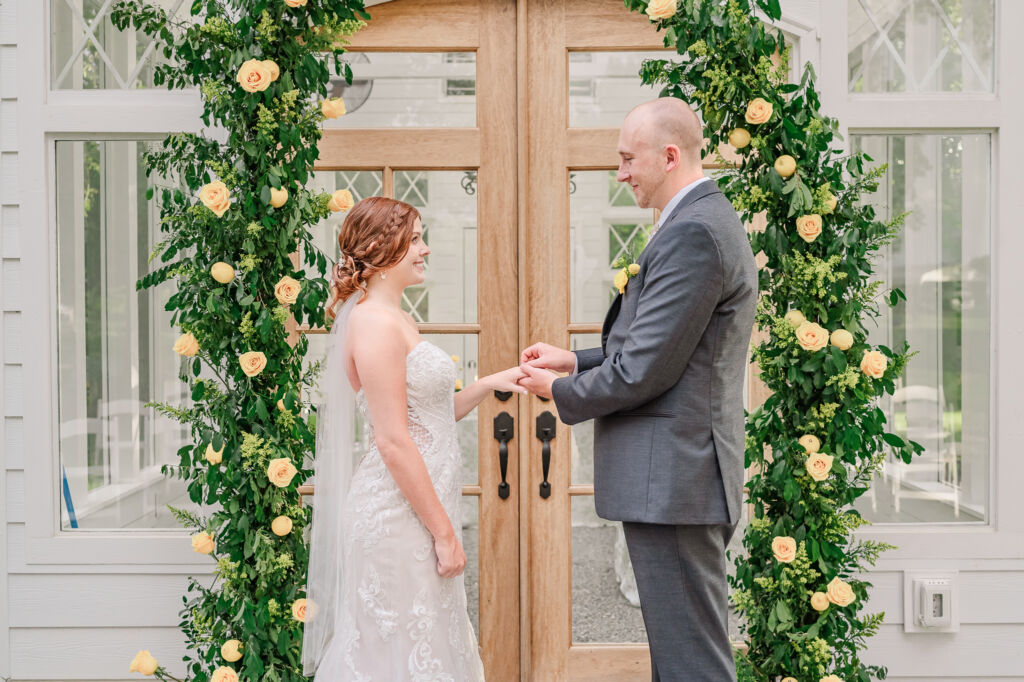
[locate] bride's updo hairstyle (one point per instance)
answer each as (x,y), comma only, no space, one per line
(375,236)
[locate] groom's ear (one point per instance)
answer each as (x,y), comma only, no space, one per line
(673,157)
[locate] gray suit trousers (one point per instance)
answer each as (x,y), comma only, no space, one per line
(680,574)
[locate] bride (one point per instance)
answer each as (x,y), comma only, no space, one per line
(386,599)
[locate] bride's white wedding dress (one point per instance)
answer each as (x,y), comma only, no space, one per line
(398,619)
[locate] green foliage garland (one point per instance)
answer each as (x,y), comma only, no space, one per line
(816,442)
(251,426)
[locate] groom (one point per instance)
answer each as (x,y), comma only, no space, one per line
(665,391)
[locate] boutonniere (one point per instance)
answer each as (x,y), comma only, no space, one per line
(624,275)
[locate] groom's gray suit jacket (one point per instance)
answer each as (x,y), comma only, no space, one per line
(665,389)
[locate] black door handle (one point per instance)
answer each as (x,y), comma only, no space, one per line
(504,431)
(545,433)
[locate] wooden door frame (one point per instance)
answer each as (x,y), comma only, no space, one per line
(490,148)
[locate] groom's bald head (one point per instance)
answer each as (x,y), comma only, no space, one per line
(660,146)
(669,121)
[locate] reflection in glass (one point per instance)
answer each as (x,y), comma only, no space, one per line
(941,260)
(604,86)
(604,223)
(470,522)
(921,45)
(581,445)
(605,605)
(102,58)
(407,89)
(114,344)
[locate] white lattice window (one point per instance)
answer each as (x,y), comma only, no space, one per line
(88,53)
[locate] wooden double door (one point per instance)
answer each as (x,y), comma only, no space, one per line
(499,121)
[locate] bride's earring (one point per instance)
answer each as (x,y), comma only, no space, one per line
(383,275)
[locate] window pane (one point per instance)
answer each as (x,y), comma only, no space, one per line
(87,52)
(942,262)
(605,223)
(114,345)
(407,89)
(921,45)
(604,86)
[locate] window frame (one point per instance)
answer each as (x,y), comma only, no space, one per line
(1002,536)
(46,116)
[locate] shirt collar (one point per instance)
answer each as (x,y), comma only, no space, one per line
(674,201)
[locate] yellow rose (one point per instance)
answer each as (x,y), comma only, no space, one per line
(275,70)
(333,108)
(634,268)
(758,111)
(203,543)
(229,650)
(621,277)
(458,384)
(811,336)
(222,272)
(809,227)
(795,318)
(840,593)
(842,339)
(819,601)
(299,610)
(278,197)
(186,345)
(785,165)
(281,526)
(214,456)
(280,405)
(216,197)
(455,359)
(810,443)
(254,76)
(873,364)
(818,465)
(739,138)
(143,663)
(252,362)
(784,548)
(224,674)
(831,678)
(788,679)
(661,9)
(295,3)
(341,200)
(286,291)
(281,471)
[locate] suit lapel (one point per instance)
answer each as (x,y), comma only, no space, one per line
(609,319)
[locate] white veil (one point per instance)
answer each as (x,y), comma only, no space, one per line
(335,460)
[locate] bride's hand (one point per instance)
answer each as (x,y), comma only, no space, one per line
(451,558)
(506,381)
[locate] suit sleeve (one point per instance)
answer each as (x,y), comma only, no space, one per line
(682,286)
(588,359)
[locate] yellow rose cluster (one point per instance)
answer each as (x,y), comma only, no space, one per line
(873,364)
(809,227)
(784,549)
(759,111)
(252,362)
(818,464)
(256,75)
(623,276)
(286,291)
(281,471)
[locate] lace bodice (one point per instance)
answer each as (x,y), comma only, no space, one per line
(400,620)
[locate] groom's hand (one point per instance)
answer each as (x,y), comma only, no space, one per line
(546,356)
(537,381)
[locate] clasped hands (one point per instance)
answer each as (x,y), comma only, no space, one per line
(536,370)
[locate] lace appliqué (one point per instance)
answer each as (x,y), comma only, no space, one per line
(375,603)
(422,665)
